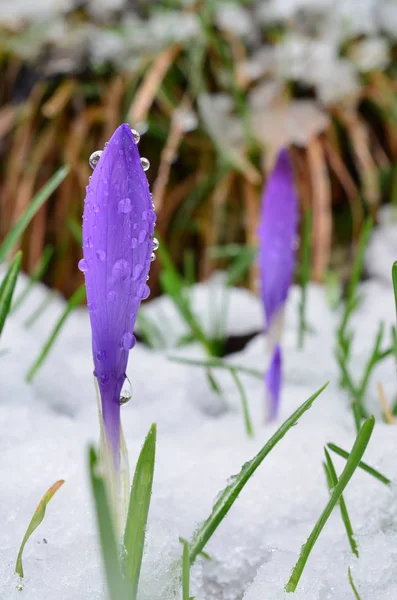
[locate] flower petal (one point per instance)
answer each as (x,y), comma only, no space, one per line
(273,383)
(277,231)
(118,226)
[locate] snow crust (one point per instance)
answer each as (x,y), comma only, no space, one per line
(45,429)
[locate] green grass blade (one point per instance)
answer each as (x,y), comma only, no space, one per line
(31,320)
(358,263)
(36,203)
(244,403)
(240,266)
(36,276)
(37,518)
(230,493)
(117,586)
(135,529)
(333,477)
(185,572)
(217,363)
(74,301)
(355,457)
(362,465)
(7,288)
(394,278)
(353,587)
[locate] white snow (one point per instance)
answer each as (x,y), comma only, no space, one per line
(45,429)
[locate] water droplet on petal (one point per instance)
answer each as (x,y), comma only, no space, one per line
(137,272)
(143,291)
(121,270)
(126,392)
(112,296)
(101,255)
(91,307)
(125,205)
(101,354)
(83,265)
(94,158)
(128,340)
(104,378)
(88,242)
(136,134)
(156,244)
(145,163)
(142,236)
(95,208)
(134,242)
(152,256)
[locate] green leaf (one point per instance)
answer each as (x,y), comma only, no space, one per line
(135,529)
(240,266)
(185,572)
(244,403)
(394,278)
(333,480)
(354,459)
(229,495)
(7,288)
(37,274)
(36,203)
(362,465)
(353,587)
(74,301)
(117,586)
(37,518)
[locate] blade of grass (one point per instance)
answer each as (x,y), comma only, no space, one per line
(29,322)
(353,461)
(333,480)
(135,529)
(228,496)
(7,288)
(74,301)
(185,572)
(394,278)
(244,403)
(217,363)
(36,276)
(37,518)
(344,454)
(352,585)
(117,586)
(30,212)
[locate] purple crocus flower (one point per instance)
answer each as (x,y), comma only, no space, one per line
(273,382)
(277,231)
(118,225)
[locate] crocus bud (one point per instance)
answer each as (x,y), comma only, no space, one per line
(118,226)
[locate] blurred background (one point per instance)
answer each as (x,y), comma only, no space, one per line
(215,88)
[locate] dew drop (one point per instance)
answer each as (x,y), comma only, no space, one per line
(88,242)
(142,236)
(145,163)
(143,291)
(83,265)
(134,242)
(125,205)
(112,296)
(104,378)
(121,270)
(94,158)
(152,256)
(136,134)
(145,215)
(137,272)
(156,244)
(128,340)
(101,354)
(95,208)
(101,255)
(91,307)
(126,392)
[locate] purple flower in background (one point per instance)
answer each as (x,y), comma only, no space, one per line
(277,231)
(273,382)
(118,226)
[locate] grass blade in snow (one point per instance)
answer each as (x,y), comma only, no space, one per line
(244,403)
(135,529)
(354,459)
(117,586)
(7,288)
(37,518)
(333,481)
(231,492)
(362,465)
(394,278)
(31,210)
(74,301)
(352,585)
(36,276)
(185,572)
